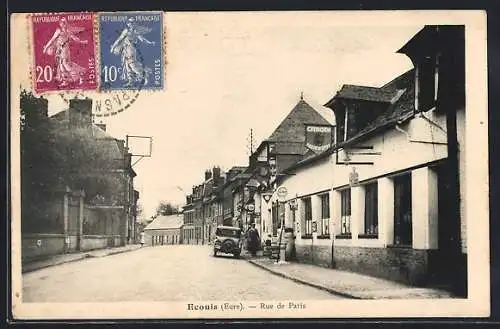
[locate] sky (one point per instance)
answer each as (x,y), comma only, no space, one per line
(227,73)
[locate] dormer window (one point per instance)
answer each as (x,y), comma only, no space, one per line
(426,83)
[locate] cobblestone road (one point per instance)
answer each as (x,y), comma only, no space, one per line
(164,273)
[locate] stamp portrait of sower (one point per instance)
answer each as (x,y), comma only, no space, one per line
(131,47)
(64,52)
(126,46)
(58,46)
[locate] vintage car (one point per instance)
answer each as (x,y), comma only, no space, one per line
(228,240)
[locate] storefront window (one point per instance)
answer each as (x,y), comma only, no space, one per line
(325,214)
(402,210)
(345,211)
(307,216)
(371,209)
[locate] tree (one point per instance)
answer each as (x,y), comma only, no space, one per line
(35,150)
(166,208)
(55,155)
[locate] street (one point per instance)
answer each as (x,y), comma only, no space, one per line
(163,273)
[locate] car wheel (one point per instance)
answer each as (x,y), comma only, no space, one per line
(237,255)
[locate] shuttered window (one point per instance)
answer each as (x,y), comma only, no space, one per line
(402,210)
(371,209)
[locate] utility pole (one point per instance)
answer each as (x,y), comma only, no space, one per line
(250,141)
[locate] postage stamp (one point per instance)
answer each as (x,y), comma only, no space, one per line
(131,50)
(64,52)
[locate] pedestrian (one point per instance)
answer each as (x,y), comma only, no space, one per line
(253,237)
(142,239)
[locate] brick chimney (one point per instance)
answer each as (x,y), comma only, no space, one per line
(216,175)
(43,103)
(84,106)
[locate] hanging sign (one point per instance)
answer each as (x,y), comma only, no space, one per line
(267,196)
(282,193)
(318,138)
(250,207)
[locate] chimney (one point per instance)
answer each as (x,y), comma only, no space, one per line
(216,175)
(84,106)
(216,172)
(208,175)
(44,106)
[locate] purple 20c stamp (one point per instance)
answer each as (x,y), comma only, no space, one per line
(131,51)
(64,52)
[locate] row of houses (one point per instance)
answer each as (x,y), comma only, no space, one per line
(91,202)
(379,191)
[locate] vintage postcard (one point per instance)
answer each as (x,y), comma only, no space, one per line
(257,165)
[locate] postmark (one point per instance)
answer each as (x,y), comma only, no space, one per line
(131,51)
(106,104)
(64,52)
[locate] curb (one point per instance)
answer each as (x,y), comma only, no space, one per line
(36,268)
(314,285)
(111,253)
(84,256)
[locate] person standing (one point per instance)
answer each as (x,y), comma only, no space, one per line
(253,237)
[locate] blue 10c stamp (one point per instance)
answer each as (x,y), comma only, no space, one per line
(131,49)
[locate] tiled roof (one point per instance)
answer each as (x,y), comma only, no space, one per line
(96,138)
(366,93)
(166,222)
(400,111)
(291,148)
(291,129)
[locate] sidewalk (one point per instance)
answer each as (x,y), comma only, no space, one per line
(346,284)
(34,265)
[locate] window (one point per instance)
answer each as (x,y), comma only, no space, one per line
(402,210)
(325,214)
(427,82)
(307,216)
(226,232)
(345,212)
(371,209)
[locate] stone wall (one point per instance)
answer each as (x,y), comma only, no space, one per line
(41,245)
(399,264)
(38,246)
(316,255)
(91,242)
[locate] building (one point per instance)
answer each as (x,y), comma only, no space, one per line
(390,199)
(91,204)
(232,180)
(164,230)
(204,209)
(188,219)
(302,133)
